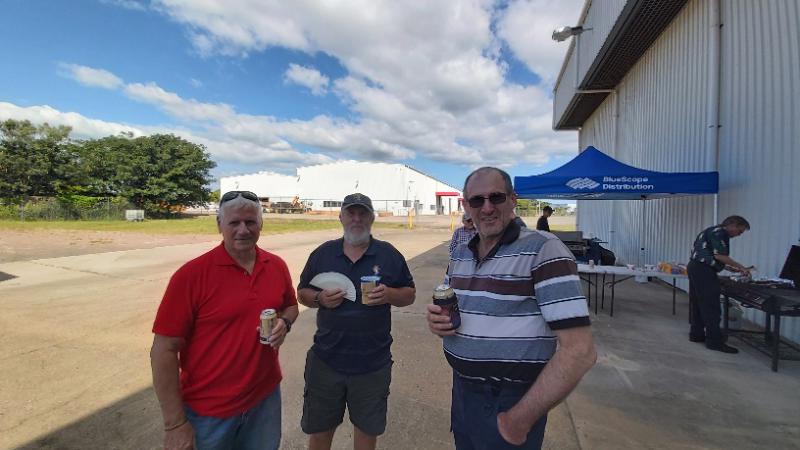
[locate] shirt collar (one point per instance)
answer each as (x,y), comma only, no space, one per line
(222,258)
(510,234)
(370,249)
(722,231)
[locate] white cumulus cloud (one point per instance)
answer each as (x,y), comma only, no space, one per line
(527,26)
(82,127)
(310,78)
(278,155)
(424,78)
(127,4)
(421,78)
(89,76)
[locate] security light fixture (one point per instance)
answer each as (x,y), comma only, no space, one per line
(563,33)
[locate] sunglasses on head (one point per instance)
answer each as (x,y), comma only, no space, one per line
(230,195)
(494,198)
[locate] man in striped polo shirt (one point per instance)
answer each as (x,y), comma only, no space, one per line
(524,341)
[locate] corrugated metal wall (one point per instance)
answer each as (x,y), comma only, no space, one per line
(760,137)
(662,126)
(565,89)
(662,108)
(601,17)
(597,216)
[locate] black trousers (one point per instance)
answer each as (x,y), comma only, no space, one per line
(704,292)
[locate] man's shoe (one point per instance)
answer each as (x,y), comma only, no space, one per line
(697,338)
(724,348)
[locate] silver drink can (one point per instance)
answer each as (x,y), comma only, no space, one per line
(268,318)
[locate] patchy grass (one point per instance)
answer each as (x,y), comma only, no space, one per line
(192,225)
(562,227)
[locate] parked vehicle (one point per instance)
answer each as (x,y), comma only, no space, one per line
(293,207)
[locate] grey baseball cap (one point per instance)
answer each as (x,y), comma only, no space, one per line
(357,199)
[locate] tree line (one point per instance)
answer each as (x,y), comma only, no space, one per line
(160,173)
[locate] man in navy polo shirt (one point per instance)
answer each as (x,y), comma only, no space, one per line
(350,363)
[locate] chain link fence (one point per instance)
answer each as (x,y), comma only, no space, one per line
(67,208)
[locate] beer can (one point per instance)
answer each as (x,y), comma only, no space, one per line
(445,297)
(268,318)
(368,283)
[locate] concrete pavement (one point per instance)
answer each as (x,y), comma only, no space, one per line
(74,366)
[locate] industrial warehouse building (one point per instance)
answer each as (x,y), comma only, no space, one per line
(682,86)
(395,189)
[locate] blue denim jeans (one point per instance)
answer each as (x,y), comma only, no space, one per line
(256,429)
(473,415)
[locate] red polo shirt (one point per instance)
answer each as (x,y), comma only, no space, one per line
(215,305)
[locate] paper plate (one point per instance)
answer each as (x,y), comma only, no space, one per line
(335,280)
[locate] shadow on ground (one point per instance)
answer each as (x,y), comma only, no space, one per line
(6,276)
(131,423)
(651,387)
(419,404)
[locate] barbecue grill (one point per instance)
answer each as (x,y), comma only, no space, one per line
(776,299)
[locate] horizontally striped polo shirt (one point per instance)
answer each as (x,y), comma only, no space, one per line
(510,303)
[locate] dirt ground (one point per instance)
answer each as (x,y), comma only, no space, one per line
(76,311)
(38,244)
(75,333)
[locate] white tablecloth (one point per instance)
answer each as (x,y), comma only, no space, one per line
(625,272)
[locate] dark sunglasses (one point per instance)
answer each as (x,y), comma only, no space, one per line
(230,195)
(495,198)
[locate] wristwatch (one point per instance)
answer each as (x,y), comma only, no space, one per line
(316,299)
(288,324)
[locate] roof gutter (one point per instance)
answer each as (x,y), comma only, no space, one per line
(581,20)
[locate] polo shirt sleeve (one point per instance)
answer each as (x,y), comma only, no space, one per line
(403,278)
(289,296)
(557,287)
(175,314)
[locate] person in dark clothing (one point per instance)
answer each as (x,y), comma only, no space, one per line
(350,364)
(542,224)
(709,256)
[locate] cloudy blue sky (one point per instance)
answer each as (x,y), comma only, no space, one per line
(444,86)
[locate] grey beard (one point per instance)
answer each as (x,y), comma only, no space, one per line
(357,239)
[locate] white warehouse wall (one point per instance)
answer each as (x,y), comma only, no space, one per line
(393,188)
(270,185)
(662,126)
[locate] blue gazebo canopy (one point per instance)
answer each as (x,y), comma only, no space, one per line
(593,175)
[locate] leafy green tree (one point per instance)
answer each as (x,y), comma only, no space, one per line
(214,197)
(529,207)
(163,173)
(35,161)
(100,164)
(160,173)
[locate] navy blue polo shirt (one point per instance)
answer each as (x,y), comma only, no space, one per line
(354,338)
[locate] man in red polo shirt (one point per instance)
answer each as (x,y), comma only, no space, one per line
(218,386)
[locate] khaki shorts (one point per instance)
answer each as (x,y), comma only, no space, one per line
(328,392)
